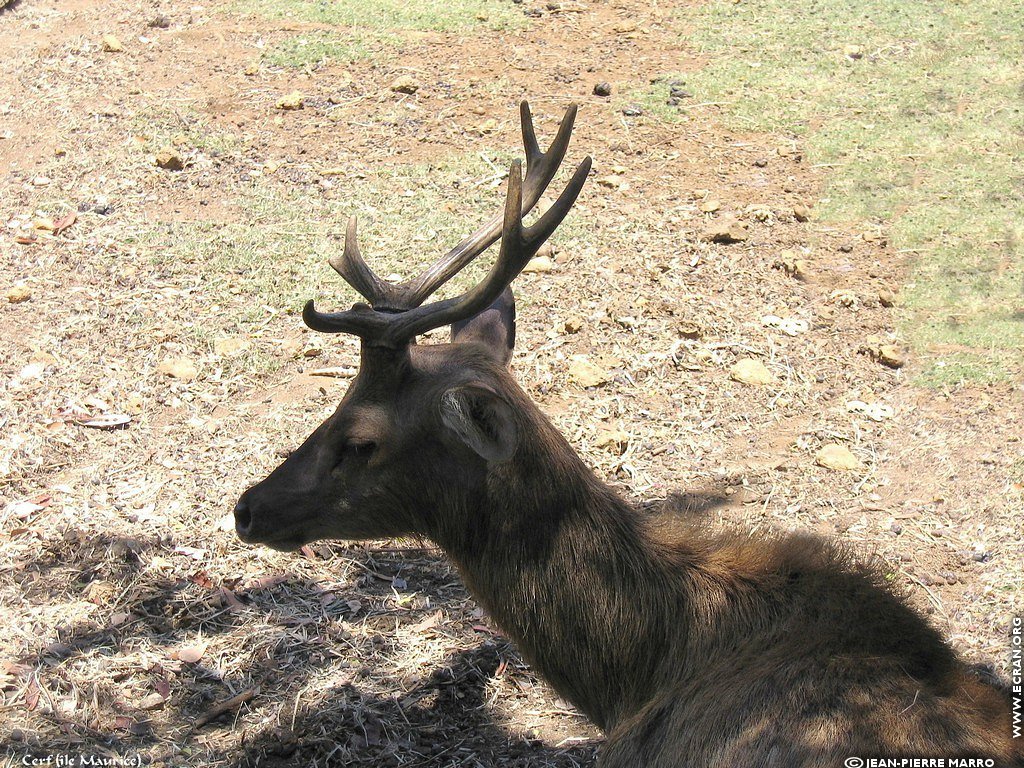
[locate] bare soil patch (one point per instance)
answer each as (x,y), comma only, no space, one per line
(131,611)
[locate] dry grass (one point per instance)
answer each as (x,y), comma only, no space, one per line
(132,612)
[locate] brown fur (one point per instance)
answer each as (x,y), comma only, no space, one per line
(689,648)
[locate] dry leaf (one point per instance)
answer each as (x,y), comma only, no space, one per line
(192,653)
(64,222)
(105,421)
(428,623)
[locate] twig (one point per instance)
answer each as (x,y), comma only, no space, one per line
(931,595)
(225,706)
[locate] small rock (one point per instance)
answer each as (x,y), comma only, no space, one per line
(100,592)
(169,159)
(749,370)
(886,297)
(603,89)
(846,248)
(291,101)
(838,457)
(801,212)
(40,181)
(18,293)
(843,297)
(688,330)
(159,22)
(405,84)
(111,44)
(632,110)
(758,212)
(613,181)
(230,346)
(612,440)
(153,701)
(179,368)
(710,205)
(892,356)
(540,264)
(573,325)
(853,51)
(793,266)
(586,373)
(761,163)
(727,230)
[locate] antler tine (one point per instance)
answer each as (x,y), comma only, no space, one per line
(350,265)
(518,246)
(540,169)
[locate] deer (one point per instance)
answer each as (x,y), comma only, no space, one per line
(686,646)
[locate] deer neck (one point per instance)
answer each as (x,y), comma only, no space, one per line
(562,565)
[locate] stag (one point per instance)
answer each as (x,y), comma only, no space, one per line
(688,647)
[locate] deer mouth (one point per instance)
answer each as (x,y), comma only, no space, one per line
(249,532)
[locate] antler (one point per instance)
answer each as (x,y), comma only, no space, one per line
(540,169)
(518,246)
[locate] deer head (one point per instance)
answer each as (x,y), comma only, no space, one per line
(409,446)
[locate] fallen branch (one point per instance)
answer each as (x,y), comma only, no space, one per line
(225,706)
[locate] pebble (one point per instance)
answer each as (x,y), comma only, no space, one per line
(603,89)
(291,101)
(111,44)
(16,294)
(891,356)
(169,160)
(726,230)
(750,371)
(405,84)
(586,373)
(838,457)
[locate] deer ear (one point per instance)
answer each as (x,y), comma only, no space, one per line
(481,419)
(495,327)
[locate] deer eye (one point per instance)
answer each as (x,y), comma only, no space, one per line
(360,449)
(356,450)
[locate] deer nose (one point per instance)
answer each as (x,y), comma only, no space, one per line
(243,518)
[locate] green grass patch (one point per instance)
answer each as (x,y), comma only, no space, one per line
(184,128)
(318,48)
(426,15)
(275,253)
(917,109)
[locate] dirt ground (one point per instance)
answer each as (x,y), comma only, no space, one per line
(135,623)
